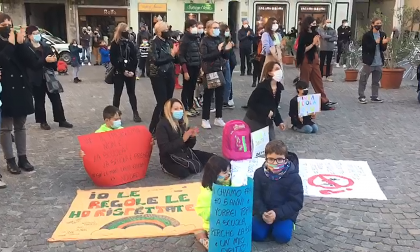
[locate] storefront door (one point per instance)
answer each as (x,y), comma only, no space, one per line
(106,19)
(200,12)
(265,11)
(150,14)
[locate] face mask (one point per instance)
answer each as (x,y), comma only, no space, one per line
(329,25)
(124,34)
(346,24)
(166,35)
(37,38)
(178,114)
(377,27)
(222,180)
(276,171)
(84,31)
(275,27)
(5,32)
(74,44)
(194,30)
(246,26)
(305,92)
(278,75)
(116,124)
(216,32)
(227,34)
(200,31)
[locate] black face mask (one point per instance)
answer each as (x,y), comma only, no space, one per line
(166,34)
(313,28)
(377,27)
(124,34)
(305,92)
(5,32)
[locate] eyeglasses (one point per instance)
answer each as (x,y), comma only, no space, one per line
(276,160)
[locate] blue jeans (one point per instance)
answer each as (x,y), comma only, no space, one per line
(228,85)
(85,54)
(281,230)
(308,129)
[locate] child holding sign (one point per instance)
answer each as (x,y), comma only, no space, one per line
(303,124)
(278,194)
(216,171)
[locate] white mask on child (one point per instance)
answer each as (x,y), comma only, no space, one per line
(278,75)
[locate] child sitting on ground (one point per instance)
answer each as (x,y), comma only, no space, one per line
(278,194)
(303,124)
(216,171)
(62,67)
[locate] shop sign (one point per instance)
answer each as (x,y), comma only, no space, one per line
(313,9)
(270,8)
(121,12)
(151,7)
(198,7)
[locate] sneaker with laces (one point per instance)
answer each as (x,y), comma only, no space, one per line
(228,106)
(205,124)
(190,113)
(329,79)
(2,184)
(195,112)
(376,100)
(362,100)
(337,64)
(231,103)
(219,122)
(197,102)
(89,64)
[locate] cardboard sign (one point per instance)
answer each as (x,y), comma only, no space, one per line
(131,213)
(259,139)
(309,104)
(117,157)
(231,218)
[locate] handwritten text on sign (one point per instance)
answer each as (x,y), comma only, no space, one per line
(309,104)
(259,139)
(117,157)
(231,218)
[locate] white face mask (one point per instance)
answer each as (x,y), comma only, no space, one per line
(275,27)
(246,26)
(329,25)
(278,75)
(200,31)
(194,30)
(346,24)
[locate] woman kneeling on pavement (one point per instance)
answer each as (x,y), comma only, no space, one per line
(175,141)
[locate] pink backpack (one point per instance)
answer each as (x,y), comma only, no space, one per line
(236,141)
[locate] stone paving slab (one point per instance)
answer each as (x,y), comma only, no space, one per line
(386,135)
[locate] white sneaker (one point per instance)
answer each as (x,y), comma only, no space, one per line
(344,66)
(219,122)
(337,64)
(231,103)
(205,124)
(83,64)
(2,184)
(212,110)
(89,64)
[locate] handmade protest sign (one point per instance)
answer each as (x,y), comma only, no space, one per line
(131,213)
(117,157)
(231,218)
(309,104)
(259,139)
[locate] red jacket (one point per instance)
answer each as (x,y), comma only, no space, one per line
(61,66)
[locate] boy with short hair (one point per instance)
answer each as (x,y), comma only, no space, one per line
(278,194)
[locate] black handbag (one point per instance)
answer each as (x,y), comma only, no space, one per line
(53,85)
(109,75)
(214,80)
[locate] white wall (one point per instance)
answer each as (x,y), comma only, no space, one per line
(134,15)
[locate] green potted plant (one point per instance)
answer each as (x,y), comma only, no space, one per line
(353,60)
(288,58)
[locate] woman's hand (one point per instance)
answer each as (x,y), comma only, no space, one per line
(282,126)
(315,41)
(229,46)
(12,38)
(270,115)
(186,76)
(20,36)
(195,132)
(220,46)
(81,154)
(175,50)
(51,59)
(187,135)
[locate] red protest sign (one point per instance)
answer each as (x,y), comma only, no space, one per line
(117,157)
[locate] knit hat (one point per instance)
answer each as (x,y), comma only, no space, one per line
(31,29)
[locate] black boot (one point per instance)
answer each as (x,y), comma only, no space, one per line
(65,124)
(136,117)
(75,80)
(24,164)
(12,167)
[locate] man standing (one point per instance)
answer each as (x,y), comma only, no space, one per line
(344,36)
(97,39)
(245,36)
(132,35)
(374,43)
(85,43)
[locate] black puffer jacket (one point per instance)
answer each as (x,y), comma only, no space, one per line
(121,51)
(212,59)
(189,51)
(160,59)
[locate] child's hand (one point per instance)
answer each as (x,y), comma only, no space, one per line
(301,119)
(313,115)
(266,218)
(81,154)
(282,126)
(272,215)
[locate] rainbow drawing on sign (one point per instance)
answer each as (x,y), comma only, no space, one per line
(309,104)
(159,221)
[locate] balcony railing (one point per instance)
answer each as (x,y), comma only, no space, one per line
(103,2)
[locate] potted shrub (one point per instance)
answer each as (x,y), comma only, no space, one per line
(353,59)
(288,58)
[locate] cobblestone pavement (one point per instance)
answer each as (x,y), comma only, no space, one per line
(386,135)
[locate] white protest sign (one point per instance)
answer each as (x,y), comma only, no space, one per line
(244,169)
(309,104)
(259,139)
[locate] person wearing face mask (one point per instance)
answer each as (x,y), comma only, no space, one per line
(176,141)
(374,44)
(163,54)
(230,65)
(307,60)
(272,43)
(189,57)
(200,30)
(143,35)
(303,124)
(75,51)
(264,101)
(216,171)
(344,38)
(278,194)
(123,56)
(85,42)
(245,37)
(47,60)
(97,39)
(327,39)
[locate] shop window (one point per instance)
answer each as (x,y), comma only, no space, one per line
(265,11)
(150,19)
(103,2)
(319,12)
(202,17)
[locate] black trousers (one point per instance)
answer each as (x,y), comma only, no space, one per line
(182,172)
(208,95)
(325,55)
(142,64)
(188,88)
(39,93)
(256,74)
(163,88)
(245,55)
(232,67)
(130,84)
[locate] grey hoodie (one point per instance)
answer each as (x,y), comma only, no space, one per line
(328,36)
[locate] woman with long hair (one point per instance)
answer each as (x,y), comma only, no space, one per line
(162,54)
(175,141)
(123,56)
(328,37)
(271,42)
(307,59)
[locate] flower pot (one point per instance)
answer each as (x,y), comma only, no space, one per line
(392,78)
(351,74)
(288,59)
